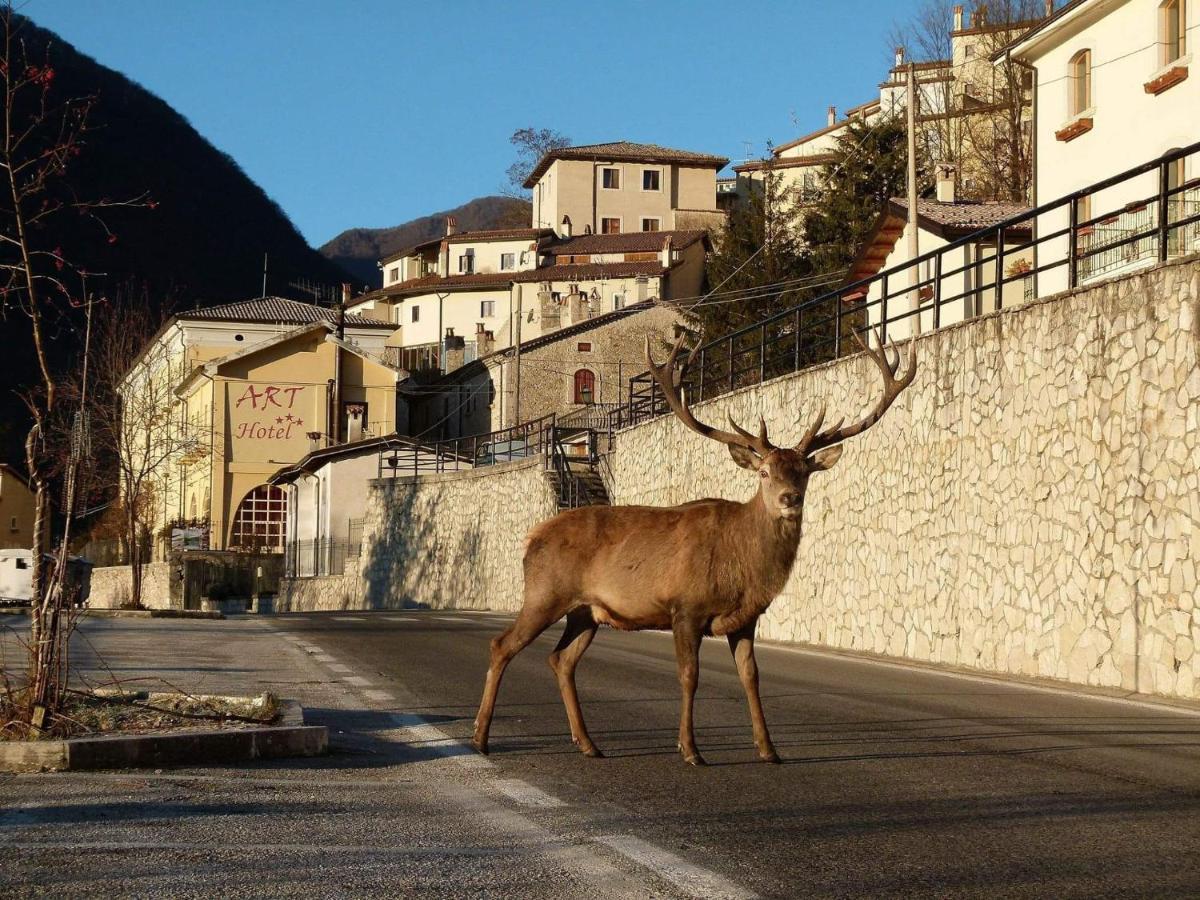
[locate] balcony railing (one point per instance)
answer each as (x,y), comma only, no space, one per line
(405,457)
(1048,242)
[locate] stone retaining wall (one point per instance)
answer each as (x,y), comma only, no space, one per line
(112,587)
(1031,505)
(448,541)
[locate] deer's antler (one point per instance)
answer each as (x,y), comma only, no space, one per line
(664,375)
(815,439)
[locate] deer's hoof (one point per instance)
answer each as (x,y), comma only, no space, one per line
(771,757)
(479,745)
(694,759)
(592,752)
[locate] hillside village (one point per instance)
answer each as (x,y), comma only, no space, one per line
(485,347)
(980,336)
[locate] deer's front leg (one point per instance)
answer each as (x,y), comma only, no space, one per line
(741,644)
(687,654)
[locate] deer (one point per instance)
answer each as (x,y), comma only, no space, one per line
(708,567)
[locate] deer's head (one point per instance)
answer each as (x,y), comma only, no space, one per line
(783,472)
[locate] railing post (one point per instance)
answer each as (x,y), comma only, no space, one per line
(837,328)
(883,308)
(1072,243)
(702,352)
(999,304)
(762,353)
(729,341)
(937,291)
(796,347)
(1164,220)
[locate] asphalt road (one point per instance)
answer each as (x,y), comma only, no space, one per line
(896,781)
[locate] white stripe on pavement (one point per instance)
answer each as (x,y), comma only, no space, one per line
(416,730)
(340,668)
(357,680)
(691,879)
(526,794)
(383,696)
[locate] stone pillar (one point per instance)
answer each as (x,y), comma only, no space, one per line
(455,351)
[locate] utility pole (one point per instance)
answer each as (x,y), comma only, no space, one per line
(264,287)
(914,244)
(517,360)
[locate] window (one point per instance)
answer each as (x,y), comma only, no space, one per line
(12,525)
(394,273)
(610,226)
(584,347)
(651,179)
(618,301)
(22,563)
(416,314)
(585,387)
(1172,30)
(466,263)
(258,522)
(1080,82)
(653,224)
(487,309)
(508,261)
(610,179)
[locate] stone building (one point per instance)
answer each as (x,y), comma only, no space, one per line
(579,371)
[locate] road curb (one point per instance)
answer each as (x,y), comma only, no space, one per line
(129,613)
(181,748)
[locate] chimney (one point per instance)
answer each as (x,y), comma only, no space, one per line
(485,341)
(549,312)
(565,229)
(576,306)
(945,183)
(666,253)
(451,225)
(831,115)
(456,351)
(899,57)
(958,13)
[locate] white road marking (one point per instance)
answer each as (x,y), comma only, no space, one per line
(526,794)
(691,879)
(384,696)
(397,618)
(347,618)
(357,680)
(416,730)
(340,668)
(446,619)
(325,658)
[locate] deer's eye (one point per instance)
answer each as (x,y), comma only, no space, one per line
(763,473)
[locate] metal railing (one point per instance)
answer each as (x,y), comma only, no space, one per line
(977,273)
(321,556)
(573,486)
(404,456)
(593,415)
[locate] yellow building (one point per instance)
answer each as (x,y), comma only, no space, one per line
(253,386)
(16,509)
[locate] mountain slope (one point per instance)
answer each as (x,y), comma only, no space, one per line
(359,249)
(202,243)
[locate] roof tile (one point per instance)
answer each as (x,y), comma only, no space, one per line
(276,311)
(624,150)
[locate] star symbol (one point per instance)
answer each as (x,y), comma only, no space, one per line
(288,417)
(278,420)
(299,422)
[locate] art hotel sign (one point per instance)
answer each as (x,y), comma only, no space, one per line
(268,420)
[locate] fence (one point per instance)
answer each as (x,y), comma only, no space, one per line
(404,457)
(322,556)
(229,575)
(1060,240)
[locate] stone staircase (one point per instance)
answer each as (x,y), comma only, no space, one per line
(580,485)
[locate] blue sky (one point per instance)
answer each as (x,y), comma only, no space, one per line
(370,113)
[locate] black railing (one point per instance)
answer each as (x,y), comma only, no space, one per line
(407,456)
(573,489)
(321,556)
(1060,244)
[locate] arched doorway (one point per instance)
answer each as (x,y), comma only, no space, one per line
(259,521)
(585,387)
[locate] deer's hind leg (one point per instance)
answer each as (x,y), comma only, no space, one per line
(537,614)
(581,628)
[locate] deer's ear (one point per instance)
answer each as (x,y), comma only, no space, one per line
(747,459)
(825,459)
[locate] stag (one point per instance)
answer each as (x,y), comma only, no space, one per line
(708,567)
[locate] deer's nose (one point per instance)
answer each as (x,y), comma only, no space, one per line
(790,499)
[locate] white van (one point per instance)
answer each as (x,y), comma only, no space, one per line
(16,577)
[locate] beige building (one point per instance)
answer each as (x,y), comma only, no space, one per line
(1113,92)
(623,186)
(17,510)
(247,387)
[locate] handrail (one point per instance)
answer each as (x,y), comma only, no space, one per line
(818,329)
(412,456)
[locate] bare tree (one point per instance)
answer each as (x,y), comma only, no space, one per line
(40,284)
(134,422)
(980,120)
(532,144)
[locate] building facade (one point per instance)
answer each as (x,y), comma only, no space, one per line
(17,510)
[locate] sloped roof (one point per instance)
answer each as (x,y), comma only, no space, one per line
(851,114)
(963,214)
(787,162)
(591,271)
(624,150)
(497,234)
(626,242)
(277,311)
